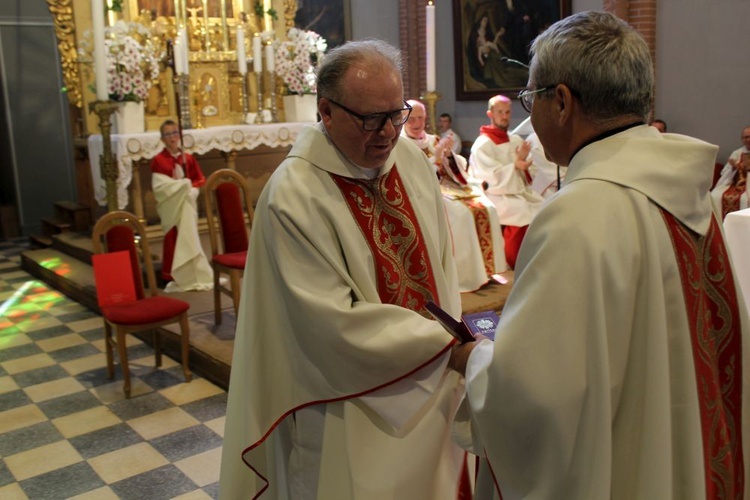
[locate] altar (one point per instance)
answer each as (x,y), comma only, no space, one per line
(226,146)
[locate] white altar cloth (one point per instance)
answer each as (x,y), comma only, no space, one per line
(133,147)
(737,235)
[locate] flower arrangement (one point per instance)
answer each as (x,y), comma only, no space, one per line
(132,60)
(297,58)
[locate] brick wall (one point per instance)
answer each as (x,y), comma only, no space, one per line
(640,14)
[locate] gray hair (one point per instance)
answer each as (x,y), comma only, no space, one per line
(605,63)
(375,54)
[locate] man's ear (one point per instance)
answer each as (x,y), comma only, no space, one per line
(324,109)
(564,103)
(489,114)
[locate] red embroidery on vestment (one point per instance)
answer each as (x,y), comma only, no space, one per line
(730,199)
(715,331)
(484,232)
(388,223)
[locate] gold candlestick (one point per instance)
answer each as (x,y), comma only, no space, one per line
(107,160)
(183,100)
(431,99)
(259,80)
(243,97)
(272,91)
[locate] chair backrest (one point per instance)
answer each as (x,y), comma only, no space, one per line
(118,231)
(227,200)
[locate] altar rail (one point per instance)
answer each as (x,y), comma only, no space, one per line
(253,150)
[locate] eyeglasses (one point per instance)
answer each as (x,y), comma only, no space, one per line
(376,121)
(526,96)
(170,134)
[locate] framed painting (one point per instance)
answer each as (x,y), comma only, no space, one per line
(491,43)
(329,18)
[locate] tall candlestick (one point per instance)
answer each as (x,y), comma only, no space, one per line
(430,29)
(267,21)
(270,62)
(224,28)
(111,16)
(100,55)
(206,38)
(257,55)
(177,15)
(183,10)
(241,56)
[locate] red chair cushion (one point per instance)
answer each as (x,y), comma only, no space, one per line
(121,238)
(235,260)
(229,205)
(148,310)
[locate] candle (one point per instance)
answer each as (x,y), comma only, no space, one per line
(270,63)
(430,29)
(184,51)
(177,54)
(257,55)
(241,56)
(100,55)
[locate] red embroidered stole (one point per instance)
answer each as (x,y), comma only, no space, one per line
(484,232)
(715,331)
(387,220)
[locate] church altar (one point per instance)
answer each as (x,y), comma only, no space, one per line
(130,148)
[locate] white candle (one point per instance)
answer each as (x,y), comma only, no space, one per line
(241,56)
(184,51)
(257,55)
(430,29)
(177,54)
(100,55)
(270,63)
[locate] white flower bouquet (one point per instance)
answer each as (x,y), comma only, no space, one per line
(132,60)
(297,58)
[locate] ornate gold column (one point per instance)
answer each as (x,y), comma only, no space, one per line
(107,160)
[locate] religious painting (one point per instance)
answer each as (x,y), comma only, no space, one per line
(492,39)
(328,18)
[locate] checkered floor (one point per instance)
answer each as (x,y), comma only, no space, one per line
(66,431)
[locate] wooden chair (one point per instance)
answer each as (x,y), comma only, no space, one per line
(121,231)
(229,214)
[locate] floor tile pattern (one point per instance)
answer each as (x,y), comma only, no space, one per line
(66,431)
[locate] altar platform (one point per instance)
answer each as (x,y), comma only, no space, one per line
(66,266)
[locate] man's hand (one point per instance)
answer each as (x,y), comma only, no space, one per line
(460,354)
(522,152)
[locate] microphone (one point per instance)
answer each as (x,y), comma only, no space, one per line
(513,61)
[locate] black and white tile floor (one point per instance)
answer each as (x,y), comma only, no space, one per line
(66,431)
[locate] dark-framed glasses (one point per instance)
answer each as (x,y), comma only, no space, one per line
(376,121)
(526,96)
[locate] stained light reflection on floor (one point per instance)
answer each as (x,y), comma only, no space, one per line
(24,306)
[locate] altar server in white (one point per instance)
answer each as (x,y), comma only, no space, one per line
(340,387)
(621,362)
